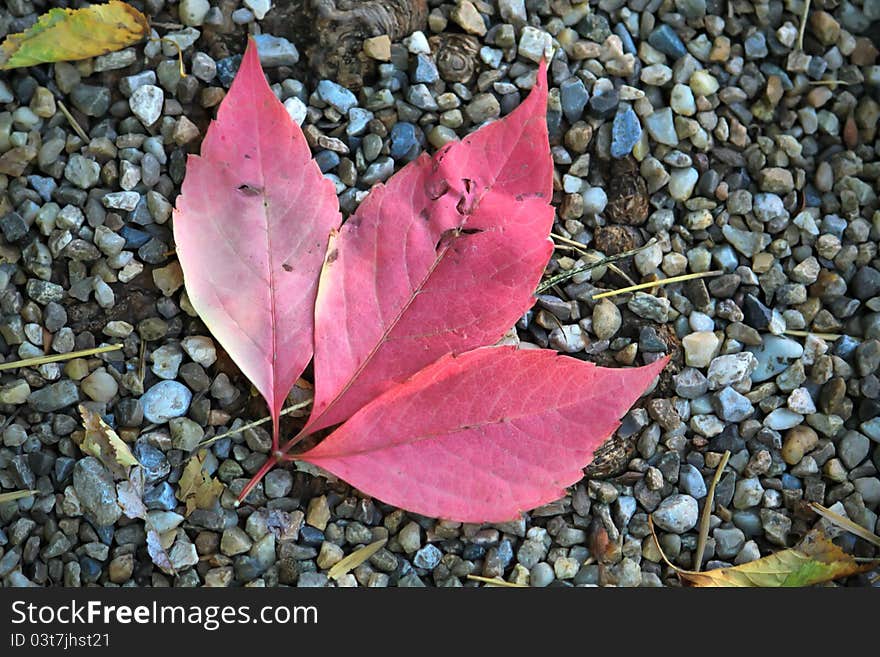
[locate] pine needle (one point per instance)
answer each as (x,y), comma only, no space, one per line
(830,83)
(54,358)
(16,495)
(846,524)
(707,513)
(77,128)
(255,423)
(804,334)
(496,581)
(803,26)
(355,559)
(650,284)
(599,262)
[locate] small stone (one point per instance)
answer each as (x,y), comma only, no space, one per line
(96,491)
(853,449)
(661,127)
(100,386)
(235,541)
(595,200)
(799,440)
(604,105)
(466,16)
(276,51)
(606,319)
(699,348)
(337,96)
(427,557)
(54,397)
(730,369)
(166,400)
(535,43)
(146,103)
(773,356)
(278,483)
(825,27)
(691,481)
(667,41)
(702,83)
(259,7)
(731,406)
(90,100)
(82,171)
(193,12)
(682,183)
(185,434)
(378,48)
(677,514)
(573,97)
(748,493)
(626,131)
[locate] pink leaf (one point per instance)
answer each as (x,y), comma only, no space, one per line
(251,228)
(482,436)
(444,257)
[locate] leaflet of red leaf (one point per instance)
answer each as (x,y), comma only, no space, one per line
(482,436)
(444,257)
(251,228)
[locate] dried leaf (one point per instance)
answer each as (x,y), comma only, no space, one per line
(157,552)
(105,444)
(485,435)
(130,495)
(813,561)
(72,34)
(444,257)
(196,488)
(355,559)
(251,226)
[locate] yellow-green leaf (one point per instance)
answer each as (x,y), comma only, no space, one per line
(105,444)
(813,561)
(62,35)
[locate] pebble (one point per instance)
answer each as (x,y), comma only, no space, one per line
(677,514)
(165,400)
(146,103)
(96,491)
(665,39)
(625,132)
(276,51)
(773,356)
(661,128)
(337,96)
(700,348)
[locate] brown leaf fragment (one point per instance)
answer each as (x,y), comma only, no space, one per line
(196,488)
(104,444)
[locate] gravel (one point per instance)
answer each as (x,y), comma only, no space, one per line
(703,130)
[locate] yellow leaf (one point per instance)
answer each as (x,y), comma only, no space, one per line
(105,444)
(355,559)
(62,35)
(813,561)
(196,488)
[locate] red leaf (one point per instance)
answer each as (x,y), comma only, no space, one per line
(445,257)
(251,228)
(482,436)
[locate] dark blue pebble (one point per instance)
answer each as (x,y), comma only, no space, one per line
(667,41)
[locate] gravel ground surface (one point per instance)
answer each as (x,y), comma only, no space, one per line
(699,123)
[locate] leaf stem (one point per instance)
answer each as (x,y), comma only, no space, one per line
(803,26)
(707,513)
(77,128)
